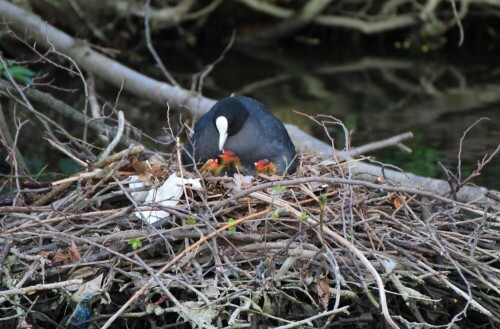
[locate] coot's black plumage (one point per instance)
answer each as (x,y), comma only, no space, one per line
(253,133)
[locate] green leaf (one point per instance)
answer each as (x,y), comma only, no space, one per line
(19,73)
(351,122)
(232,229)
(286,160)
(322,203)
(279,188)
(9,63)
(276,214)
(191,220)
(303,216)
(322,199)
(20,70)
(135,243)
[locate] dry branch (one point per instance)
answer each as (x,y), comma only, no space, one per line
(22,291)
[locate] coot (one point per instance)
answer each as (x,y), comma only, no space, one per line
(246,128)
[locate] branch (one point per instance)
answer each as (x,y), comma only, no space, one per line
(385,23)
(380,144)
(100,65)
(166,17)
(49,286)
(69,112)
(295,22)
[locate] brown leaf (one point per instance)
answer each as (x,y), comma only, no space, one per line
(157,166)
(323,291)
(397,201)
(74,252)
(61,256)
(154,167)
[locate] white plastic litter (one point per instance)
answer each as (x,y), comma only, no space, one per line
(166,195)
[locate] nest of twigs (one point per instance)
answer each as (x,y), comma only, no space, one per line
(313,250)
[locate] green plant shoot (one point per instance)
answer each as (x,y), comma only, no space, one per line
(135,243)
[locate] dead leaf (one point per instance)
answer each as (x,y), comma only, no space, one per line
(323,291)
(147,169)
(139,166)
(61,256)
(88,290)
(238,183)
(83,272)
(74,252)
(157,166)
(397,201)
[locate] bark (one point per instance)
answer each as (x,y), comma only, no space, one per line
(163,93)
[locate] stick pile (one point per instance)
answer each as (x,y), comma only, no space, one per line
(314,250)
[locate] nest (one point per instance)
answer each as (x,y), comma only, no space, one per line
(313,250)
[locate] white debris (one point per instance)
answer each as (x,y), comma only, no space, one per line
(166,195)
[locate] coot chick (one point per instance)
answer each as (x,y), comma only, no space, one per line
(212,166)
(264,166)
(244,126)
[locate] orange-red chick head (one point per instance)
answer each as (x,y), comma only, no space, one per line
(264,166)
(211,166)
(230,158)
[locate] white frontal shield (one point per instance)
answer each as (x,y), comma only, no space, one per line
(221,124)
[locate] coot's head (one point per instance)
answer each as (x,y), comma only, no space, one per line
(229,117)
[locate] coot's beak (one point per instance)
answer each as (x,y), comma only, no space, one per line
(221,124)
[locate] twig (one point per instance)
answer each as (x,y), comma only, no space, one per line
(308,321)
(68,111)
(464,295)
(10,144)
(65,151)
(393,141)
(61,218)
(132,151)
(332,180)
(480,166)
(458,20)
(38,287)
(459,169)
(152,50)
(114,142)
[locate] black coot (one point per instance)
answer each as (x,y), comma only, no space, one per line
(244,126)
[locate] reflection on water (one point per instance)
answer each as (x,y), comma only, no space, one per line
(377,97)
